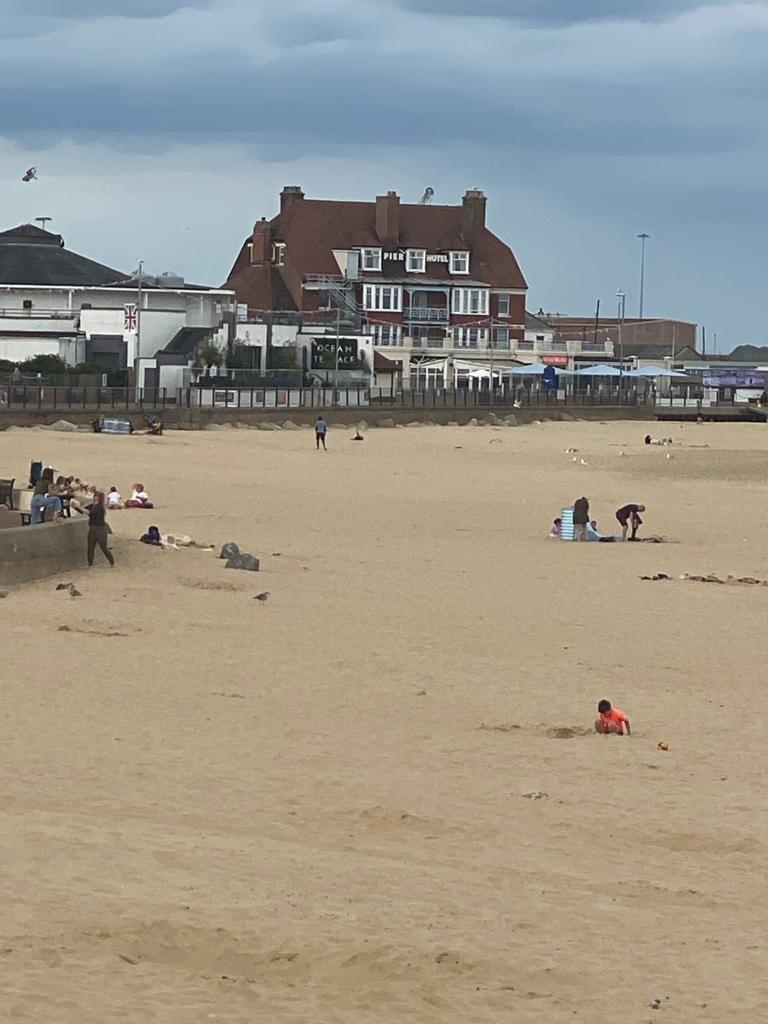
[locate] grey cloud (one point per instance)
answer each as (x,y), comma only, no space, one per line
(87,9)
(557,12)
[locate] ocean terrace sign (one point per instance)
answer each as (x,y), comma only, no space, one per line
(398,255)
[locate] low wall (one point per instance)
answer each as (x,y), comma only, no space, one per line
(34,552)
(198,419)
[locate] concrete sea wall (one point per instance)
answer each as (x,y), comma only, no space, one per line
(34,552)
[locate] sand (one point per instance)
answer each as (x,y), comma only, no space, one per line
(314,809)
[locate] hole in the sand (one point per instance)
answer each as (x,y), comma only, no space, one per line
(566,732)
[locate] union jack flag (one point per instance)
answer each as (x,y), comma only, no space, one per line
(130,317)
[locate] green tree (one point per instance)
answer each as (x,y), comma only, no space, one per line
(48,366)
(210,354)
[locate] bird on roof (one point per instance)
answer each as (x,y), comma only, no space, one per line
(426,199)
(30,174)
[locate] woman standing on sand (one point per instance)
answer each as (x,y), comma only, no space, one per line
(98,530)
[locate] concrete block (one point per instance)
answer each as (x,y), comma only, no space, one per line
(34,552)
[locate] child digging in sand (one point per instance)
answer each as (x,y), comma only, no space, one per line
(611,721)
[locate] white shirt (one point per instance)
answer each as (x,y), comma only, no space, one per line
(113,499)
(139,496)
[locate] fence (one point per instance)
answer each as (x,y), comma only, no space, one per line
(97,399)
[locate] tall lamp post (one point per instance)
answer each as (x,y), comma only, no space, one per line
(643,239)
(621,299)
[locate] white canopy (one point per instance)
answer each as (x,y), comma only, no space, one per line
(534,369)
(601,370)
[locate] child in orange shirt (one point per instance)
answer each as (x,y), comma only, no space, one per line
(611,721)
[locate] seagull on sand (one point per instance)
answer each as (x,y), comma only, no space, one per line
(263,596)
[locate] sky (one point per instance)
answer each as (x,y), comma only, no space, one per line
(163,134)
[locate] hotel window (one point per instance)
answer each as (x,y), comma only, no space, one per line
(383,298)
(470,337)
(459,262)
(467,301)
(503,301)
(386,334)
(416,261)
(371,259)
(501,337)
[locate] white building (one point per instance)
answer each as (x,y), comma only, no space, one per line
(55,302)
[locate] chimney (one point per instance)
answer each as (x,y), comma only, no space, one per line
(388,219)
(291,194)
(473,214)
(261,242)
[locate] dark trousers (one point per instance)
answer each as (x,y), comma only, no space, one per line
(319,438)
(97,537)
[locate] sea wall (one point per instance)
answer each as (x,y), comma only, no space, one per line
(34,552)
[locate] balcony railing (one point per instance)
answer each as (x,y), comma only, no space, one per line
(424,342)
(39,314)
(429,314)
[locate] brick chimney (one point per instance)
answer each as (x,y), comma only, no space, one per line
(473,214)
(291,194)
(261,242)
(388,219)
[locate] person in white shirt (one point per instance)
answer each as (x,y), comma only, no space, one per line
(114,500)
(139,498)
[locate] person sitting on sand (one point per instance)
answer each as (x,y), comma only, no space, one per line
(629,514)
(580,518)
(611,721)
(556,529)
(594,534)
(113,498)
(139,498)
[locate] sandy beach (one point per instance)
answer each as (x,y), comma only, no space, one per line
(313,809)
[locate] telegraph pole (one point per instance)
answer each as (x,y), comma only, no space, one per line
(139,283)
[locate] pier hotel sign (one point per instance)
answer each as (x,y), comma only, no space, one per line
(399,256)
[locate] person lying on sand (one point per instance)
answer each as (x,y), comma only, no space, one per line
(657,440)
(611,721)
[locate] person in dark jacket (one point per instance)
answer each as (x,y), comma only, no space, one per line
(580,518)
(98,531)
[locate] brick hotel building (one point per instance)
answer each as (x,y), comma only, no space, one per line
(430,286)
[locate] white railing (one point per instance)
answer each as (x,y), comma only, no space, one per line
(39,314)
(426,313)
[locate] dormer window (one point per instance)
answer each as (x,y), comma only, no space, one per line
(278,253)
(371,259)
(459,262)
(416,261)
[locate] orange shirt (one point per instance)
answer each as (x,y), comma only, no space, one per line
(615,717)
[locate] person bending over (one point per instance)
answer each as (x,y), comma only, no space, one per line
(629,514)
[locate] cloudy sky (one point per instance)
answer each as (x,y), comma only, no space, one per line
(165,133)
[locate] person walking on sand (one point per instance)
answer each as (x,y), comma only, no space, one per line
(630,514)
(580,518)
(321,429)
(98,530)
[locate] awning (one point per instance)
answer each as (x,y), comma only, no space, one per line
(383,365)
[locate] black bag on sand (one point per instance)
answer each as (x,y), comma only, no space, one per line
(243,561)
(229,550)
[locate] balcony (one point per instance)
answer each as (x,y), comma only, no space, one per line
(426,314)
(424,342)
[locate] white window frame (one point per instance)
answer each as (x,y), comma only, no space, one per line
(506,298)
(375,257)
(459,261)
(383,298)
(463,336)
(393,332)
(416,255)
(469,301)
(507,343)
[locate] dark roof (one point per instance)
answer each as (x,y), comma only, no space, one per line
(312,228)
(383,365)
(746,353)
(535,323)
(186,340)
(29,255)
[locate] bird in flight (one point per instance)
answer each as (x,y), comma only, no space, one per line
(30,175)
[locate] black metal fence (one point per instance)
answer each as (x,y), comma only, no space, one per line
(105,400)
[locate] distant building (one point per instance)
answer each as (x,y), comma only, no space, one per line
(56,302)
(424,285)
(662,338)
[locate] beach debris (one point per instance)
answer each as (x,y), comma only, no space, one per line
(495,440)
(3,593)
(571,451)
(263,596)
(242,560)
(583,462)
(64,427)
(657,576)
(127,959)
(63,629)
(655,1004)
(421,693)
(537,794)
(749,581)
(662,745)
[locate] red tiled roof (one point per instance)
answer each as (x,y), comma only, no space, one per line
(311,229)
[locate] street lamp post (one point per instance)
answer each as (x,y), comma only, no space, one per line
(621,299)
(643,238)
